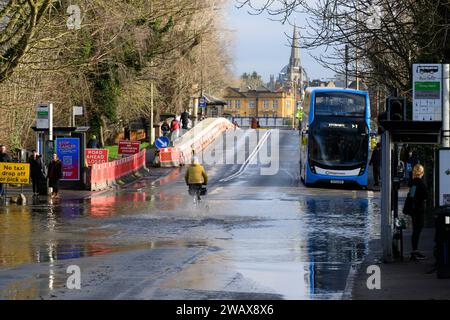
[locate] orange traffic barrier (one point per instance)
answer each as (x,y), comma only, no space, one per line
(169,157)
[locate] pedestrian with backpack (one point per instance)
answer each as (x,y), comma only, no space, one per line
(415,206)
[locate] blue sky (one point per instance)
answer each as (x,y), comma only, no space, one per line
(261,45)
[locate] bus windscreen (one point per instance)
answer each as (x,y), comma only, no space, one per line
(339,104)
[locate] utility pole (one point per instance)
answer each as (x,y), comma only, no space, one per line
(346,66)
(356,49)
(295,105)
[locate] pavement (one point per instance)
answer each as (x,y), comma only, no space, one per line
(411,280)
(401,279)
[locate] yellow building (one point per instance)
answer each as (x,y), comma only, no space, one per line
(259,103)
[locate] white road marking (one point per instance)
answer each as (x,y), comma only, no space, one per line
(249,159)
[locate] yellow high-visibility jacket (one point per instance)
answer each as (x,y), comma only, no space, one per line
(196,174)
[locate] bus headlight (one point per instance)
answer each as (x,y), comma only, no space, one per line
(362,170)
(313,169)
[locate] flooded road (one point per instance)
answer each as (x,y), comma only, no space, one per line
(252,237)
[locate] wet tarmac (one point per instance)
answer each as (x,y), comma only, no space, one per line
(251,237)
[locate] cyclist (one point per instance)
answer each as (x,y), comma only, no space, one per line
(195,177)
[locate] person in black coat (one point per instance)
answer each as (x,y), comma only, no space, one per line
(420,194)
(54,174)
(185,120)
(375,162)
(36,171)
(165,128)
(4,157)
(93,143)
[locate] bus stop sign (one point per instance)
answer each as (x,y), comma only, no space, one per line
(202,102)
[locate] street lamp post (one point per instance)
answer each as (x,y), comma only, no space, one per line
(152,136)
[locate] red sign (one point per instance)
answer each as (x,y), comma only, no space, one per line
(96,156)
(129,147)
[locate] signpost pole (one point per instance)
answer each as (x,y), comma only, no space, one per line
(50,121)
(386,214)
(446,105)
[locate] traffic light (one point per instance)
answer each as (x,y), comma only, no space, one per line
(396,108)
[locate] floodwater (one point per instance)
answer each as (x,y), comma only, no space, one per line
(252,237)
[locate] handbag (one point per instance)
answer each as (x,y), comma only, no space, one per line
(410,202)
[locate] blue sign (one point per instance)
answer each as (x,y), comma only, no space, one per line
(162,142)
(68,151)
(202,102)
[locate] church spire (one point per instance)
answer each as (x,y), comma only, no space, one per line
(295,69)
(295,51)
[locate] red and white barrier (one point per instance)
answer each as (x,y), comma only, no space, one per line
(197,139)
(105,175)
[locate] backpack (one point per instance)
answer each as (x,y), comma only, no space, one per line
(410,202)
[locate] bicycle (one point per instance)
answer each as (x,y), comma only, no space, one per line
(197,190)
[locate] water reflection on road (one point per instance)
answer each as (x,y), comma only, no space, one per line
(256,237)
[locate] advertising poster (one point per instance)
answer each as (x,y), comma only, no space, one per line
(68,151)
(444,177)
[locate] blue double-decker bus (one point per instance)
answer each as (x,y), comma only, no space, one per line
(335,137)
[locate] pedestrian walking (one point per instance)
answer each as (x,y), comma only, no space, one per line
(36,171)
(165,128)
(419,193)
(375,162)
(175,129)
(54,174)
(4,157)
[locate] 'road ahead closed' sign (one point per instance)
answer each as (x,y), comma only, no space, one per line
(14,173)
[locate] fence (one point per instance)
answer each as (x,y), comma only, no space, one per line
(105,175)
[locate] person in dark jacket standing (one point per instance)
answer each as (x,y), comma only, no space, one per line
(4,157)
(54,174)
(165,128)
(185,120)
(93,143)
(375,162)
(420,194)
(36,171)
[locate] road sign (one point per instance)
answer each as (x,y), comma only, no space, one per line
(427,92)
(129,147)
(77,111)
(162,142)
(202,102)
(96,156)
(14,173)
(44,114)
(68,151)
